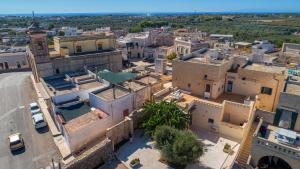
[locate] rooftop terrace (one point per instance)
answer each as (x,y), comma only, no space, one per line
(267,69)
(206,56)
(74,111)
(85,119)
(148,80)
(133,85)
(286,138)
(293,89)
(186,99)
(70,82)
(112,93)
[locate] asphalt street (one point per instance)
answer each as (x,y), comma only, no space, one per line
(16,92)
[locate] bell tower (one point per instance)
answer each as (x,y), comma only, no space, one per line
(38,42)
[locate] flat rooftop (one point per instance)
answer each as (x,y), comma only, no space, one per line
(74,111)
(188,98)
(82,37)
(60,85)
(267,69)
(133,85)
(84,120)
(148,80)
(293,89)
(205,56)
(214,156)
(108,94)
(56,55)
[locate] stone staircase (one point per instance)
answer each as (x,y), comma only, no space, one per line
(245,150)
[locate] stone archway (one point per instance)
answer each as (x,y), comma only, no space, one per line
(272,162)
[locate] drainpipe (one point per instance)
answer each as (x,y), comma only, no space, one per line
(114,92)
(275,92)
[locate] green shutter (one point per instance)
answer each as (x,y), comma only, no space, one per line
(294,119)
(277,117)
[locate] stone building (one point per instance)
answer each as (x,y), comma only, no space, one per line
(276,139)
(13,61)
(71,54)
(290,53)
(219,72)
(187,45)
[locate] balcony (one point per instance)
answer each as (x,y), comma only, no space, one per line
(268,136)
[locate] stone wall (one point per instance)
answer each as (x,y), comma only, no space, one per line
(94,157)
(120,131)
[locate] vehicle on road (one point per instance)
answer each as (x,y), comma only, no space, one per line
(16,142)
(39,121)
(34,108)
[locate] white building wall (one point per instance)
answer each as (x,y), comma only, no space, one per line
(88,133)
(114,108)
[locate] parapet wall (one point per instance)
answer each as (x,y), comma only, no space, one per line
(94,157)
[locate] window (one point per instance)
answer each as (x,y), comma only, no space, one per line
(211,121)
(18,65)
(207,88)
(205,76)
(100,46)
(6,65)
(78,49)
(189,85)
(126,113)
(243,78)
(266,90)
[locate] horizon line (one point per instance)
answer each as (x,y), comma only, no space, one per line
(162,12)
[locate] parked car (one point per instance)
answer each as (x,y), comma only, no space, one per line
(16,142)
(34,108)
(39,121)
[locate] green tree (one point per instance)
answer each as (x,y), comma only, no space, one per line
(164,136)
(50,26)
(185,150)
(61,33)
(171,56)
(178,147)
(163,113)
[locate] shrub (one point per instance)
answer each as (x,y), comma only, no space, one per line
(164,136)
(178,147)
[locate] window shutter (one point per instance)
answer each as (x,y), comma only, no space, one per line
(294,119)
(277,117)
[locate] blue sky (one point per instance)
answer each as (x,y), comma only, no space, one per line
(98,6)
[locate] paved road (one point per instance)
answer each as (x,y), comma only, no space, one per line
(16,92)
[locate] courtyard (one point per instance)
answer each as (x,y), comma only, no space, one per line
(142,148)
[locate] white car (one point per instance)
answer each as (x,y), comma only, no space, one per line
(16,141)
(34,108)
(38,121)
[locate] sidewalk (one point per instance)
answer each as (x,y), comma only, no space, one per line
(59,140)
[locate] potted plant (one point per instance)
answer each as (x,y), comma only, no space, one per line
(227,148)
(135,162)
